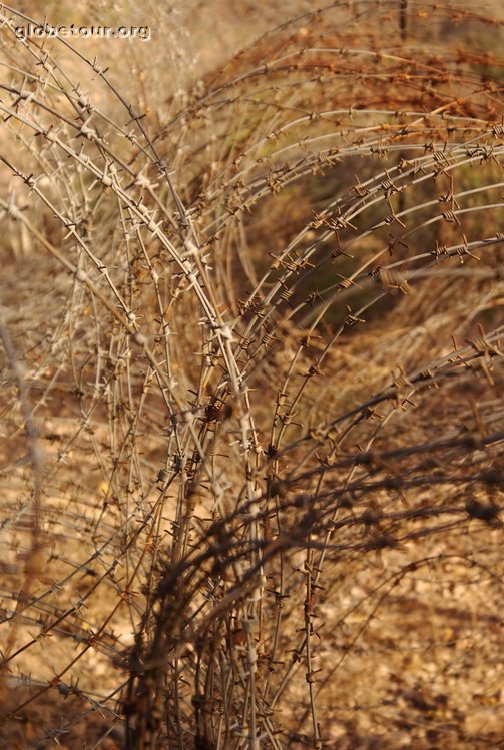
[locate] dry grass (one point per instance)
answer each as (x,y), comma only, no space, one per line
(251,442)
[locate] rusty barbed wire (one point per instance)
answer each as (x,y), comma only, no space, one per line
(267,384)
